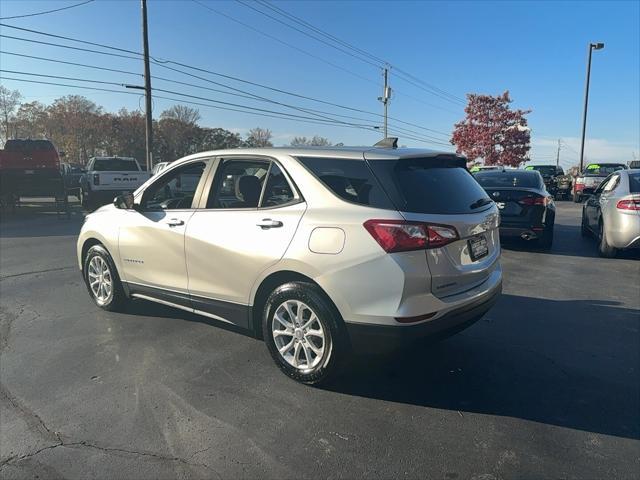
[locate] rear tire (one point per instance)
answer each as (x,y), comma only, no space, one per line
(604,249)
(102,279)
(584,229)
(306,350)
(577,198)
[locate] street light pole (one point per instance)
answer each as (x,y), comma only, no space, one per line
(592,46)
(147,88)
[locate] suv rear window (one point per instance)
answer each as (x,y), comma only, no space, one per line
(351,180)
(634,182)
(427,185)
(115,165)
(509,178)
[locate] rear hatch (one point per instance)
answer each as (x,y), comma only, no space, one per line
(519,206)
(440,191)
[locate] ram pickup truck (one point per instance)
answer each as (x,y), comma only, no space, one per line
(108,177)
(587,182)
(30,168)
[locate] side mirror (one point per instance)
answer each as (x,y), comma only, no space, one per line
(124,201)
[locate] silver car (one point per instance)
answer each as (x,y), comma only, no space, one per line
(612,213)
(318,251)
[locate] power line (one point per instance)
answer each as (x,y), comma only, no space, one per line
(163,64)
(47,11)
(379,61)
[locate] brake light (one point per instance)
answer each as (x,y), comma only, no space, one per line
(629,204)
(403,236)
(96,179)
(543,201)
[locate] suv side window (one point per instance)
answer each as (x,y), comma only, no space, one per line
(277,190)
(351,180)
(174,190)
(238,184)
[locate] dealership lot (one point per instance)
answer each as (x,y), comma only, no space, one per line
(546,385)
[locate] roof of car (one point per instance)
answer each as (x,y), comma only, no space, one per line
(372,153)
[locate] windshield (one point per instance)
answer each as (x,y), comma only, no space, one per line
(426,186)
(602,170)
(513,178)
(115,165)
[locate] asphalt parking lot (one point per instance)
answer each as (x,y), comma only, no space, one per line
(547,385)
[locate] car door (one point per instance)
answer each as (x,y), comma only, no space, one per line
(251,210)
(598,200)
(151,238)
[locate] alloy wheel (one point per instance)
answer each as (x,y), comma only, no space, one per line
(298,334)
(100,280)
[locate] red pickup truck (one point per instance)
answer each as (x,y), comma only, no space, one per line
(30,168)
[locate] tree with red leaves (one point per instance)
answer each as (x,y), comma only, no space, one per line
(492,131)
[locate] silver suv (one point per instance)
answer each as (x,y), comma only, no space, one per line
(318,251)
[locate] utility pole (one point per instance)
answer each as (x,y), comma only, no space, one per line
(558,155)
(386,96)
(592,46)
(147,88)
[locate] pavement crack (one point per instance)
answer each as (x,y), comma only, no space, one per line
(46,270)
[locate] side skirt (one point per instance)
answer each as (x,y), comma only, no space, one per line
(227,312)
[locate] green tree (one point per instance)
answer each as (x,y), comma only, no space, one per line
(9,101)
(315,141)
(259,137)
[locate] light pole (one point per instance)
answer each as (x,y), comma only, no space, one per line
(592,46)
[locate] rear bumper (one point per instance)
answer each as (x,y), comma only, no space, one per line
(372,338)
(40,183)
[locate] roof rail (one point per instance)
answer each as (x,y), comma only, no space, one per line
(388,142)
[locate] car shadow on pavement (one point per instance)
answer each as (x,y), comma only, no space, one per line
(568,241)
(571,364)
(40,222)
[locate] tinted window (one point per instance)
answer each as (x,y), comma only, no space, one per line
(238,184)
(115,165)
(277,190)
(351,180)
(511,178)
(429,186)
(28,145)
(174,190)
(634,182)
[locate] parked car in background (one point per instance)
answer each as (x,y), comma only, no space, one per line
(612,213)
(527,210)
(71,175)
(30,168)
(549,175)
(587,181)
(317,250)
(107,177)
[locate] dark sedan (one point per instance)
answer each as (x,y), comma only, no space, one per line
(526,208)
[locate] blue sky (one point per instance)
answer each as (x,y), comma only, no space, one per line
(536,50)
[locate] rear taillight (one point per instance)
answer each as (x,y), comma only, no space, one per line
(96,179)
(543,201)
(629,204)
(403,236)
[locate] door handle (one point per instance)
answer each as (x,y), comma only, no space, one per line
(266,223)
(175,222)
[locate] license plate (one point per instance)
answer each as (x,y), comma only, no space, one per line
(478,248)
(29,172)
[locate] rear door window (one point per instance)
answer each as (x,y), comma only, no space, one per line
(426,185)
(634,182)
(351,180)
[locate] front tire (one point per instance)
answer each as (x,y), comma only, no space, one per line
(584,228)
(577,198)
(304,333)
(102,279)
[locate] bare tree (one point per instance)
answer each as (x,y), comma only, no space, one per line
(316,141)
(9,101)
(182,113)
(259,137)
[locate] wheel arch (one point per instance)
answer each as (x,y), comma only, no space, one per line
(270,283)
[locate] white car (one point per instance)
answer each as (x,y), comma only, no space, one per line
(316,250)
